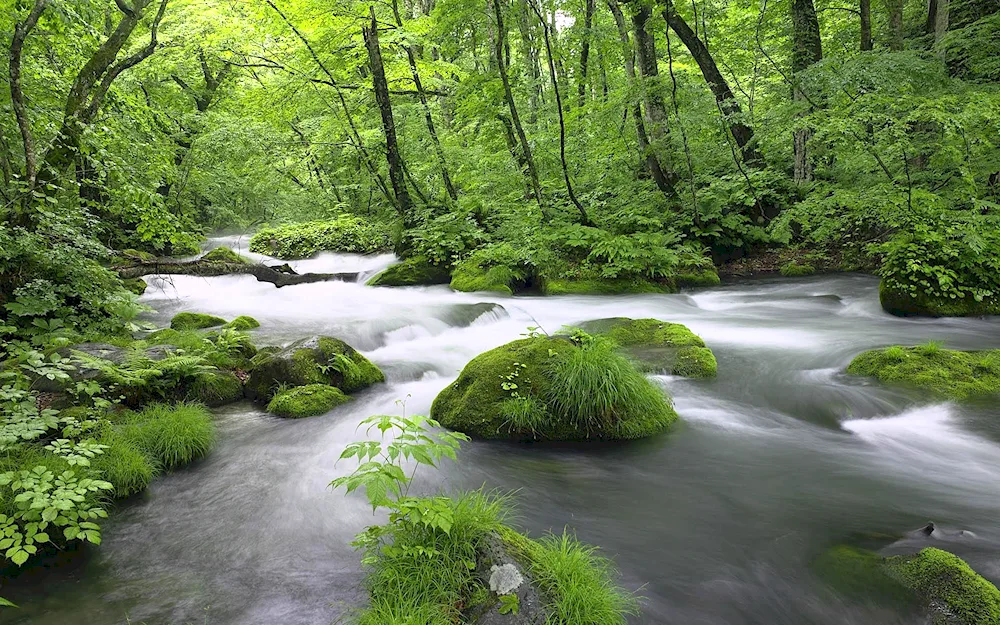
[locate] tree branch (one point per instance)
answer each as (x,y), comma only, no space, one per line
(21,31)
(126,9)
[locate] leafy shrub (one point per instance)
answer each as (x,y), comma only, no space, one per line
(344,234)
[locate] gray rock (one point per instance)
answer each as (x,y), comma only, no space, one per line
(497,567)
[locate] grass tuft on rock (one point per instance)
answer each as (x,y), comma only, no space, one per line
(195,321)
(171,436)
(658,346)
(306,401)
(949,374)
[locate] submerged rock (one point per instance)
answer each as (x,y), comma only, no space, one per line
(946,373)
(937,582)
(464,315)
(316,360)
(306,401)
(904,304)
(658,346)
(553,388)
(412,272)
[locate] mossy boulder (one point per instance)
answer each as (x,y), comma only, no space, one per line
(136,285)
(243,323)
(940,583)
(698,277)
(471,277)
(215,388)
(306,401)
(553,388)
(412,272)
(658,346)
(195,321)
(794,269)
(605,286)
(904,304)
(316,360)
(946,373)
(225,255)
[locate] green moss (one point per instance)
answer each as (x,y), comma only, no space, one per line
(903,304)
(658,346)
(569,286)
(133,254)
(306,401)
(793,269)
(136,285)
(412,272)
(243,323)
(216,388)
(343,234)
(946,373)
(123,463)
(319,360)
(552,388)
(698,277)
(469,277)
(170,435)
(195,321)
(949,586)
(226,255)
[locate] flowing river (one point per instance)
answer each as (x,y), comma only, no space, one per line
(715,522)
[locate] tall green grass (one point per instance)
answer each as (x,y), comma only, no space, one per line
(170,435)
(123,464)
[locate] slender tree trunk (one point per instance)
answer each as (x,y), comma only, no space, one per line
(932,7)
(428,118)
(941,24)
(584,218)
(529,161)
(866,25)
(392,154)
(588,24)
(895,8)
(656,112)
(21,31)
(532,63)
(727,102)
(806,50)
(649,157)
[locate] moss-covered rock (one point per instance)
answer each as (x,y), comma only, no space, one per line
(471,277)
(605,286)
(794,269)
(243,323)
(553,388)
(938,582)
(658,346)
(136,285)
(215,388)
(903,304)
(195,321)
(947,373)
(412,272)
(316,360)
(698,277)
(225,255)
(306,401)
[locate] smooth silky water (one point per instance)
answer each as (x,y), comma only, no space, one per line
(715,522)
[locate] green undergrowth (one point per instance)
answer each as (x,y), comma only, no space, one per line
(306,401)
(946,373)
(301,240)
(554,388)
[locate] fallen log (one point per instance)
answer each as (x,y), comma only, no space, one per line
(279,277)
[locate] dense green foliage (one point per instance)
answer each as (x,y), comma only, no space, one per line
(344,234)
(944,372)
(554,388)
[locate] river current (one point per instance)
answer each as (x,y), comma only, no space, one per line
(715,522)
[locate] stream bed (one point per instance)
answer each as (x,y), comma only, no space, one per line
(715,522)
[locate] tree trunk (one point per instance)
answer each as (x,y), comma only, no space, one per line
(895,24)
(656,112)
(932,7)
(392,154)
(941,24)
(588,23)
(728,105)
(428,118)
(652,163)
(806,50)
(528,160)
(866,25)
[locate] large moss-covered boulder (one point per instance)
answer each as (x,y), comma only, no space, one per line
(554,388)
(316,360)
(306,401)
(902,303)
(195,321)
(940,583)
(946,373)
(658,346)
(243,323)
(215,388)
(605,286)
(412,272)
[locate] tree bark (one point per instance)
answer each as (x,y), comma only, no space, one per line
(807,48)
(584,218)
(728,105)
(588,24)
(866,25)
(428,118)
(931,17)
(279,277)
(392,154)
(529,161)
(895,8)
(941,24)
(21,31)
(656,112)
(649,157)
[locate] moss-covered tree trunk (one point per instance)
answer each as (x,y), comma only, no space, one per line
(807,48)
